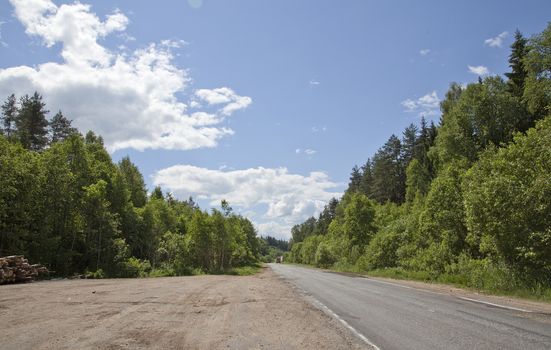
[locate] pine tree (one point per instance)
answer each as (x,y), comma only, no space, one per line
(9,114)
(31,123)
(388,173)
(355,179)
(409,141)
(366,184)
(60,128)
(518,73)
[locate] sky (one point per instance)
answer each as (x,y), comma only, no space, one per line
(267,104)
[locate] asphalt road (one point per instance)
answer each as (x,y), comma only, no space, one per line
(392,316)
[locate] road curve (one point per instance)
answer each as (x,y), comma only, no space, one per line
(392,316)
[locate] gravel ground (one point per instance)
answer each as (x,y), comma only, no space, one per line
(201,312)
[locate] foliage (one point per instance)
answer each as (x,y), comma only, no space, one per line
(467,202)
(66,205)
(514,183)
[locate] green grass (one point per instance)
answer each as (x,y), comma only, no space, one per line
(247,270)
(243,270)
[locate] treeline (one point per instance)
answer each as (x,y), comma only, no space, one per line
(66,205)
(271,248)
(467,201)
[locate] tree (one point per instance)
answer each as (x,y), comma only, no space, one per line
(31,123)
(9,116)
(537,92)
(135,182)
(484,114)
(157,193)
(508,203)
(60,128)
(326,216)
(388,173)
(518,73)
(409,143)
(226,207)
(366,184)
(355,179)
(359,220)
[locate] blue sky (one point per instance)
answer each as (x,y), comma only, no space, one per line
(268,104)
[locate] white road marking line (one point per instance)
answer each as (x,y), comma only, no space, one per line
(327,310)
(464,298)
(496,305)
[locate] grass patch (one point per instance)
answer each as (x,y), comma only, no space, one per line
(246,270)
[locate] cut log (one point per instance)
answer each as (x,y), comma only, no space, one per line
(16,268)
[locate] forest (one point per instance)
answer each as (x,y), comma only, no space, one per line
(66,205)
(467,201)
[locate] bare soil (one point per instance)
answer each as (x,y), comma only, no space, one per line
(201,312)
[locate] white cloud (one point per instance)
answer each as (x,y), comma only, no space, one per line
(424,52)
(224,95)
(497,41)
(310,152)
(314,82)
(479,70)
(426,105)
(275,229)
(289,198)
(128,98)
(298,150)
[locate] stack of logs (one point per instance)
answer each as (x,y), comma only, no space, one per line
(16,268)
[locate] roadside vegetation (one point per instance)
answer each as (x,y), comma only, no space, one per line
(467,201)
(66,205)
(271,248)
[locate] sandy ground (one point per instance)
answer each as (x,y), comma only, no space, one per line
(201,312)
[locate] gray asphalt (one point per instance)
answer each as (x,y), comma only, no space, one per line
(397,317)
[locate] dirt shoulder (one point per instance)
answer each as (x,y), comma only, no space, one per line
(200,312)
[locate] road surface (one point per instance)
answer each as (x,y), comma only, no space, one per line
(396,316)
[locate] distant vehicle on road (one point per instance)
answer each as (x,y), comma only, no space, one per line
(279,259)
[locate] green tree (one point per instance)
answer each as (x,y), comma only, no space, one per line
(537,91)
(359,215)
(355,179)
(508,203)
(60,128)
(388,173)
(518,73)
(31,123)
(135,182)
(9,116)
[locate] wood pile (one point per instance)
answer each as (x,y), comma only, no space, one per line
(15,269)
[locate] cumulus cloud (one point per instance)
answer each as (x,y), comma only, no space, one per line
(128,98)
(289,198)
(426,105)
(314,82)
(478,70)
(424,52)
(497,41)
